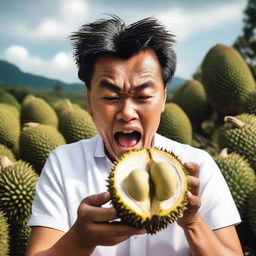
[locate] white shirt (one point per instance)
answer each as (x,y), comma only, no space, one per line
(75,171)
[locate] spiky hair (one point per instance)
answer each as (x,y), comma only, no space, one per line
(112,37)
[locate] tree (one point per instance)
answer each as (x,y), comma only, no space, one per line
(246,43)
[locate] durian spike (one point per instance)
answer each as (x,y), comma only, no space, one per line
(224,152)
(5,161)
(236,122)
(29,125)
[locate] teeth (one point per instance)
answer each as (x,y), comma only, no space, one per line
(127,131)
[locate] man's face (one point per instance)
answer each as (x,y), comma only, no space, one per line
(126,100)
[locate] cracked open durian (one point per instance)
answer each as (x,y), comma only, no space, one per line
(148,188)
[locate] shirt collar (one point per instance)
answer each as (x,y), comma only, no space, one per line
(99,151)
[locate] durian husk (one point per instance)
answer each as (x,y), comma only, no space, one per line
(154,223)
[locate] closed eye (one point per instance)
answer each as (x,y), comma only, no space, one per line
(111,98)
(143,97)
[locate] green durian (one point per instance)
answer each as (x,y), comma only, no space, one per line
(9,128)
(4,151)
(4,235)
(37,141)
(175,124)
(250,103)
(8,98)
(10,108)
(238,134)
(76,124)
(148,188)
(191,97)
(63,104)
(239,175)
(27,99)
(227,79)
(19,239)
(17,188)
(39,111)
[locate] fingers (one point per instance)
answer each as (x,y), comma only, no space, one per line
(193,200)
(194,185)
(98,199)
(192,169)
(90,209)
(98,214)
(193,180)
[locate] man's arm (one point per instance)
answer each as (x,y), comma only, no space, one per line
(92,228)
(42,238)
(202,240)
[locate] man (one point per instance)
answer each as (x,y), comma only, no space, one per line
(126,70)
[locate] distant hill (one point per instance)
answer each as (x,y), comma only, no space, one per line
(175,83)
(12,75)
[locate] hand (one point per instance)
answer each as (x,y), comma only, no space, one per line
(93,225)
(191,215)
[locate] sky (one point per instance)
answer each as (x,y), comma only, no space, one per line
(34,35)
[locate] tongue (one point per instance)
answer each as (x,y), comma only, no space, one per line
(127,140)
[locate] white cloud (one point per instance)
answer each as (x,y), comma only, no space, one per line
(16,51)
(71,13)
(74,10)
(61,66)
(185,23)
(49,28)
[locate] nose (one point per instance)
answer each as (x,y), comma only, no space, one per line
(127,110)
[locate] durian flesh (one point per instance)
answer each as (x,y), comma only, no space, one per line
(148,188)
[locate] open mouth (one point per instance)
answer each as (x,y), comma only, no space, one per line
(127,139)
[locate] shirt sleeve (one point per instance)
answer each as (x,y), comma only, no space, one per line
(217,205)
(49,208)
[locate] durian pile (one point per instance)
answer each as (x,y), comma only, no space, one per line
(29,131)
(219,109)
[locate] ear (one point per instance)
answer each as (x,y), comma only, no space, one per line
(89,109)
(165,98)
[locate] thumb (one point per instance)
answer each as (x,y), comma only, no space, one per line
(97,199)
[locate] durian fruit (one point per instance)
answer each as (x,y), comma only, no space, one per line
(37,141)
(238,134)
(148,188)
(76,124)
(239,175)
(39,111)
(251,210)
(4,151)
(18,239)
(250,103)
(17,187)
(27,98)
(227,79)
(8,98)
(10,108)
(4,235)
(62,104)
(9,128)
(175,124)
(191,97)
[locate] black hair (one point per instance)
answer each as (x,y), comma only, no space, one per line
(112,37)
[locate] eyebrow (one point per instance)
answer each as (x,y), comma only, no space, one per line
(117,89)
